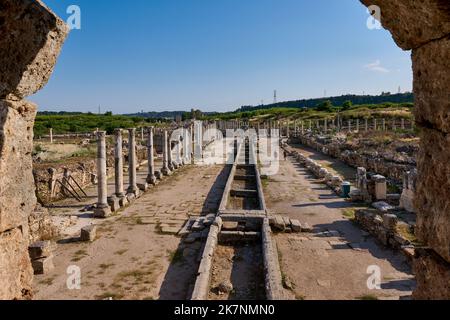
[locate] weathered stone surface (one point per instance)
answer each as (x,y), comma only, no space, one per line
(382,206)
(41,249)
(16,274)
(88,233)
(431,65)
(16,179)
(43,265)
(30,42)
(432,276)
(390,221)
(432,199)
(413,23)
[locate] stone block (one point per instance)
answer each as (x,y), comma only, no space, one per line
(113,203)
(43,265)
(380,187)
(102,213)
(307,228)
(382,206)
(89,233)
(16,178)
(278,224)
(16,273)
(432,200)
(41,249)
(296,225)
(431,65)
(390,221)
(230,225)
(32,37)
(413,23)
(143,186)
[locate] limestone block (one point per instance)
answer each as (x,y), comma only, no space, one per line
(390,221)
(41,249)
(432,200)
(380,187)
(17,189)
(43,265)
(431,65)
(88,233)
(413,23)
(16,274)
(296,225)
(382,206)
(30,42)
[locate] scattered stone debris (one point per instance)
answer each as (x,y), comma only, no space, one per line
(89,233)
(41,255)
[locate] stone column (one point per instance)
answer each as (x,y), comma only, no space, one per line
(375,125)
(118,167)
(102,209)
(51,135)
(357,125)
(133,190)
(170,161)
(151,177)
(165,169)
(303,127)
(366,124)
(349,125)
(403,123)
(384,124)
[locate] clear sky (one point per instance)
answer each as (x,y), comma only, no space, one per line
(217,55)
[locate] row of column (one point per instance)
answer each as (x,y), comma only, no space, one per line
(121,197)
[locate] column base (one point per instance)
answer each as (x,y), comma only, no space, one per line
(123,201)
(133,194)
(102,212)
(159,175)
(166,171)
(143,186)
(113,203)
(151,179)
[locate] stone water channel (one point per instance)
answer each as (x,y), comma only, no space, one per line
(240,260)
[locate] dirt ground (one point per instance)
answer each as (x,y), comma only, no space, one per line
(132,259)
(242,266)
(333,261)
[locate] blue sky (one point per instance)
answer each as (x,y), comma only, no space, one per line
(217,55)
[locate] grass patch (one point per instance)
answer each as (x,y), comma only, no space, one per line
(405,231)
(367,297)
(349,213)
(120,252)
(78,255)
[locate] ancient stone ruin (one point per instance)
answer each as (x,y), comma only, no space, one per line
(30,42)
(31,38)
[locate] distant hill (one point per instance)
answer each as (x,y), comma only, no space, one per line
(336,101)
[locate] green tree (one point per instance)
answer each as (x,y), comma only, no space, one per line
(347,105)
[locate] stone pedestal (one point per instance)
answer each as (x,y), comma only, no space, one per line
(409,190)
(380,187)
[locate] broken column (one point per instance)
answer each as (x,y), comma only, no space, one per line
(165,168)
(151,177)
(409,189)
(30,42)
(133,190)
(118,166)
(102,209)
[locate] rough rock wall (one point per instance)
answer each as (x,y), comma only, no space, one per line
(424,27)
(30,40)
(381,163)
